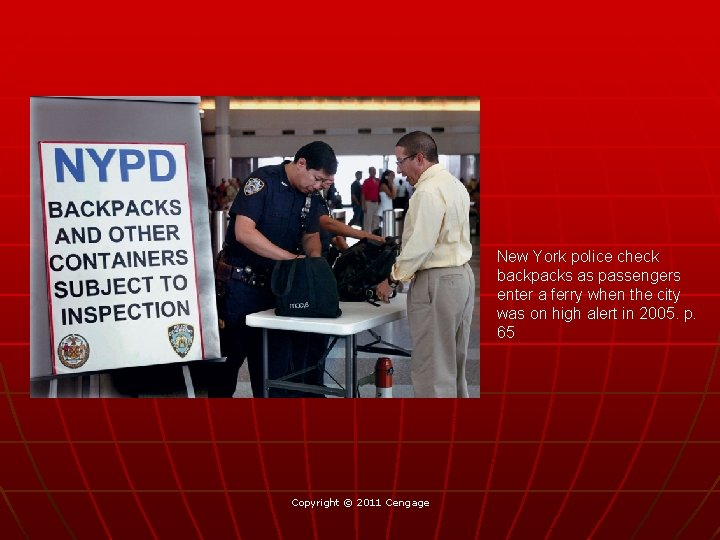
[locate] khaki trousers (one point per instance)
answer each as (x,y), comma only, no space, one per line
(440,307)
(371,220)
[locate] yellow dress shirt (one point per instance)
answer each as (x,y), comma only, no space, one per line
(437,226)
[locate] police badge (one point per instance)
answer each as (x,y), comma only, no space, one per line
(181,338)
(253,186)
(73,351)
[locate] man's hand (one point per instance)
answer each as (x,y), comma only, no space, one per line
(383,291)
(375,238)
(340,243)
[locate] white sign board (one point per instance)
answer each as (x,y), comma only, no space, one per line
(121,274)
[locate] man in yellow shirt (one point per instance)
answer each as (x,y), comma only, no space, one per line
(435,253)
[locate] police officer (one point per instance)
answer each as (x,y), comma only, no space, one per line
(273,217)
(332,231)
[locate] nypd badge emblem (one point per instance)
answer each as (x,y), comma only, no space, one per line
(73,351)
(253,186)
(181,338)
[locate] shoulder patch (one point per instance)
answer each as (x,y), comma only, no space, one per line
(253,186)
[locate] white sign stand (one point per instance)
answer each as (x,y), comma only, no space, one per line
(100,170)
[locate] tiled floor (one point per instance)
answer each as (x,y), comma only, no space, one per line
(398,334)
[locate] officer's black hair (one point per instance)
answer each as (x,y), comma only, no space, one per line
(419,142)
(319,156)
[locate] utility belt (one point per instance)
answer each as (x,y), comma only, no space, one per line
(254,277)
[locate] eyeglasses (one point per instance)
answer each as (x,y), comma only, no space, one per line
(401,161)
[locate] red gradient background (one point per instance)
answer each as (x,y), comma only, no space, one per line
(600,128)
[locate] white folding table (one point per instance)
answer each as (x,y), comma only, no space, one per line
(356,317)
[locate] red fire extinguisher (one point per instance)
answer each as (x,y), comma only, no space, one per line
(383,377)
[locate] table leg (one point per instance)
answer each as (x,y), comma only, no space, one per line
(349,383)
(266,393)
(354,364)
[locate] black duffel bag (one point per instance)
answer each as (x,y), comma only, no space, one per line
(305,287)
(361,267)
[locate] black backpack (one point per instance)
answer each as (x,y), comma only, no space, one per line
(361,267)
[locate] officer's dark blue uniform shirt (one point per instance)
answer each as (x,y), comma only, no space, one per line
(325,236)
(268,198)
